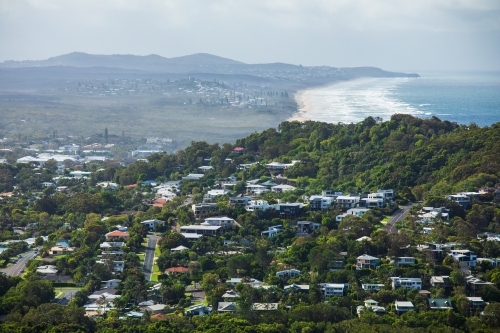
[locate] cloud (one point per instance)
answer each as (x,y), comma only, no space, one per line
(314,32)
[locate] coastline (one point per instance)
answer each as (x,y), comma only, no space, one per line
(303,107)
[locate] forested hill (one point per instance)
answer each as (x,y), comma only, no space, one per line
(405,152)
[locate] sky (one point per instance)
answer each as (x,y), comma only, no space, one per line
(408,35)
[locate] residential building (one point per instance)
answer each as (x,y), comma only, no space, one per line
(306,227)
(289,209)
(366,261)
(258,205)
(460,199)
(494,262)
(388,194)
(201,229)
(476,302)
(357,211)
(58,250)
(272,231)
(403,306)
(474,284)
(318,202)
(439,304)
(193,176)
(466,257)
(372,286)
(346,202)
(288,273)
(113,283)
(282,188)
(117,235)
(372,305)
(230,295)
(118,265)
(239,201)
(256,189)
(264,306)
(441,282)
(222,221)
(407,283)
(333,289)
(213,194)
(198,310)
(47,270)
(331,193)
(372,202)
(203,208)
(401,261)
(304,288)
(151,224)
(223,307)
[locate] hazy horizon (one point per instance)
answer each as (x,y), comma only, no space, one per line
(393,35)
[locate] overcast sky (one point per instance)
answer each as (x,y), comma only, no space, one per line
(391,34)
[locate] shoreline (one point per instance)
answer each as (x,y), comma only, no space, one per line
(303,108)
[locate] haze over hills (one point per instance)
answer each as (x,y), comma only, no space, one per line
(198,63)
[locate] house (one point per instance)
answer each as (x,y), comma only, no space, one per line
(213,194)
(441,282)
(198,310)
(402,261)
(282,188)
(439,304)
(371,203)
(466,257)
(112,284)
(239,201)
(264,306)
(256,189)
(179,248)
(250,281)
(372,305)
(296,288)
(403,306)
(372,286)
(331,193)
(176,270)
(388,194)
(474,284)
(47,270)
(289,209)
(306,227)
(318,202)
(258,205)
(117,235)
(230,295)
(201,229)
(193,176)
(222,221)
(476,302)
(407,283)
(58,250)
(156,308)
(460,199)
(112,245)
(206,168)
(272,231)
(277,166)
(333,289)
(357,211)
(118,265)
(239,150)
(288,273)
(223,307)
(104,295)
(203,208)
(366,261)
(346,202)
(493,262)
(151,224)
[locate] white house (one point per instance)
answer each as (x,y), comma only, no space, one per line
(346,202)
(213,194)
(282,188)
(399,261)
(151,224)
(113,283)
(464,256)
(306,227)
(403,306)
(288,273)
(318,202)
(272,231)
(407,283)
(258,205)
(333,289)
(372,286)
(222,221)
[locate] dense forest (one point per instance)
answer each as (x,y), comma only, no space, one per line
(421,159)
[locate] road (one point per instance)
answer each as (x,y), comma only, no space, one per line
(149,257)
(66,297)
(15,269)
(399,215)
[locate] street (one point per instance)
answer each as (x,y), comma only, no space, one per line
(66,297)
(400,214)
(149,256)
(15,269)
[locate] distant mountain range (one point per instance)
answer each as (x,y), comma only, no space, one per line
(191,64)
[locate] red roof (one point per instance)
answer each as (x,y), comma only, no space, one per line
(239,149)
(178,269)
(131,186)
(117,233)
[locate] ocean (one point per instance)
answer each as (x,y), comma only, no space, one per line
(462,97)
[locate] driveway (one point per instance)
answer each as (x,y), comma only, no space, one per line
(149,256)
(15,269)
(399,215)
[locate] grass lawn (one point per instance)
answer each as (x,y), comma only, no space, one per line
(154,277)
(141,256)
(157,251)
(156,269)
(385,220)
(59,294)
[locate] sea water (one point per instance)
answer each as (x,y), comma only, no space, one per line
(462,97)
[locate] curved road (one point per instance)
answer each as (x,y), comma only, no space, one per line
(400,214)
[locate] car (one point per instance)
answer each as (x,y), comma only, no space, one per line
(22,270)
(20,256)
